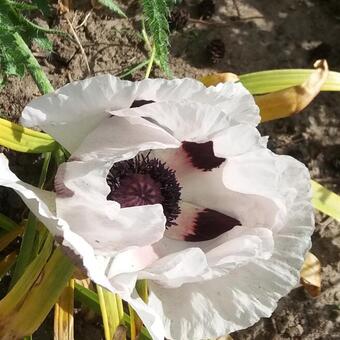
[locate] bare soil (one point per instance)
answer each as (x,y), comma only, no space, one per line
(267,34)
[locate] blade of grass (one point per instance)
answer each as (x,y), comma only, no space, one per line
(6,223)
(326,201)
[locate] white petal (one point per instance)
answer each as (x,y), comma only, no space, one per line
(207,189)
(188,265)
(117,139)
(40,202)
(232,98)
(102,223)
(263,173)
(71,112)
(84,179)
(214,308)
(185,120)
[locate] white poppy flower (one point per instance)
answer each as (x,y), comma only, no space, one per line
(171,181)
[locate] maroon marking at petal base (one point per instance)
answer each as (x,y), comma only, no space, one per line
(210,224)
(202,155)
(141,102)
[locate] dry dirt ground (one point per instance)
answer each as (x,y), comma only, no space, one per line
(268,34)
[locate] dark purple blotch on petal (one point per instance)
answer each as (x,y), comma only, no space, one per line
(210,224)
(202,155)
(141,102)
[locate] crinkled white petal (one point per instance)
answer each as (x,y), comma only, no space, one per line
(72,111)
(105,225)
(232,98)
(261,172)
(222,254)
(117,138)
(101,222)
(207,189)
(185,120)
(42,204)
(175,269)
(237,300)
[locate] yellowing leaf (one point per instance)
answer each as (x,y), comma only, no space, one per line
(10,236)
(63,314)
(275,80)
(310,275)
(326,201)
(215,78)
(6,263)
(19,138)
(284,103)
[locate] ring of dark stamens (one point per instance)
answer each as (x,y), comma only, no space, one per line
(122,176)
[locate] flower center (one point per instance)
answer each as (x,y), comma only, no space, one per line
(143,181)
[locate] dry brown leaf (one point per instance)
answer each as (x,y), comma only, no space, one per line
(310,275)
(64,6)
(286,102)
(95,4)
(226,337)
(214,79)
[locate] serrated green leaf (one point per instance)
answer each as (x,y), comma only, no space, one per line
(113,6)
(44,43)
(156,13)
(23,6)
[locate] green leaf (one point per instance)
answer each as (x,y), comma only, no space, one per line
(326,201)
(274,80)
(43,42)
(112,5)
(90,299)
(156,13)
(6,223)
(18,138)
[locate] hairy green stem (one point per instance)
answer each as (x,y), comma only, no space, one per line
(33,66)
(151,61)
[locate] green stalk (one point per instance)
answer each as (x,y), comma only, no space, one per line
(133,69)
(151,61)
(33,66)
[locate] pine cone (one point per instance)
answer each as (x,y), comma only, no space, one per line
(178,19)
(215,51)
(206,9)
